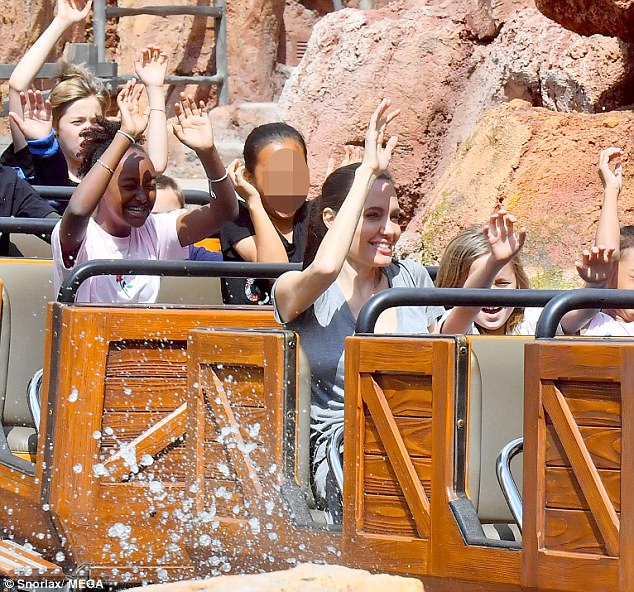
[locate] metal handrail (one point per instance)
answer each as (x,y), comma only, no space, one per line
(393,297)
(334,456)
(575,299)
(505,478)
(192,196)
(38,226)
(81,273)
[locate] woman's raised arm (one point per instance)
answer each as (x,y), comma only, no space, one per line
(296,291)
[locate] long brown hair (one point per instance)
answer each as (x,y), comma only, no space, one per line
(460,254)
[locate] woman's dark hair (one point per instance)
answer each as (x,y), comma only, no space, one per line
(264,135)
(627,238)
(96,139)
(333,193)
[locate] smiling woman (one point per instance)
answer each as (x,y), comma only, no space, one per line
(119,187)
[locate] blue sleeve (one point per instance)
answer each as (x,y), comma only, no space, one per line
(202,254)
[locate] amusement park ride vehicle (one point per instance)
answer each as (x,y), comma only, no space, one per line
(173,442)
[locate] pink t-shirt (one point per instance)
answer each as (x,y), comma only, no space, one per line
(156,239)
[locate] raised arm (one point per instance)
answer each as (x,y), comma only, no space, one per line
(265,245)
(68,12)
(595,269)
(193,128)
(505,244)
(608,229)
(150,66)
(297,290)
(88,194)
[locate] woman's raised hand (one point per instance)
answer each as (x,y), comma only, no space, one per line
(377,153)
(504,242)
(244,189)
(73,11)
(193,126)
(150,65)
(133,120)
(596,266)
(612,179)
(37,120)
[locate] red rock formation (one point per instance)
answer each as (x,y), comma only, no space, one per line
(614,18)
(422,56)
(541,166)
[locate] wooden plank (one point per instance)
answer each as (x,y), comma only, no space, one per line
(603,444)
(163,433)
(388,515)
(416,434)
(380,478)
(398,453)
(118,426)
(573,531)
(408,395)
(563,489)
(17,561)
(593,403)
(407,352)
(244,385)
(146,393)
(585,471)
(577,361)
(167,363)
(626,559)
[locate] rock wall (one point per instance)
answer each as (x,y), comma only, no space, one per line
(304,578)
(587,17)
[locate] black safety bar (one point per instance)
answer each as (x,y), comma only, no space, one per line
(574,299)
(192,196)
(448,297)
(69,287)
(39,226)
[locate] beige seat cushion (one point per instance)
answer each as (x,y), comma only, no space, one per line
(22,440)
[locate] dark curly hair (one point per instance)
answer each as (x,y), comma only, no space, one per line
(96,140)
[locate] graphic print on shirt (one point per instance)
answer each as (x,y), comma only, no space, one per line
(126,287)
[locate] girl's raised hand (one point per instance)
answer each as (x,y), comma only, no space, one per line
(377,155)
(133,120)
(37,120)
(597,265)
(150,65)
(505,243)
(73,11)
(608,177)
(193,125)
(244,189)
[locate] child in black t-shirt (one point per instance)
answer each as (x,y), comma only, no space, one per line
(271,224)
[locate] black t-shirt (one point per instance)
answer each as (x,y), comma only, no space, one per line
(19,199)
(257,291)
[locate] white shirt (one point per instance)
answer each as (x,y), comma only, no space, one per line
(156,239)
(526,327)
(603,325)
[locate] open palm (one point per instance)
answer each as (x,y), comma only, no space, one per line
(73,11)
(193,126)
(504,242)
(37,119)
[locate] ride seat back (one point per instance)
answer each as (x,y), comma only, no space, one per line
(302,436)
(497,417)
(190,291)
(28,287)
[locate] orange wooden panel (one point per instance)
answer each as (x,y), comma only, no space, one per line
(243,384)
(574,531)
(593,403)
(563,490)
(388,515)
(604,445)
(416,434)
(125,426)
(605,362)
(381,479)
(144,393)
(167,363)
(409,395)
(409,353)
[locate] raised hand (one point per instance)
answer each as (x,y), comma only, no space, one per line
(597,265)
(613,179)
(377,156)
(150,65)
(244,189)
(37,120)
(73,11)
(193,125)
(352,155)
(133,120)
(504,242)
